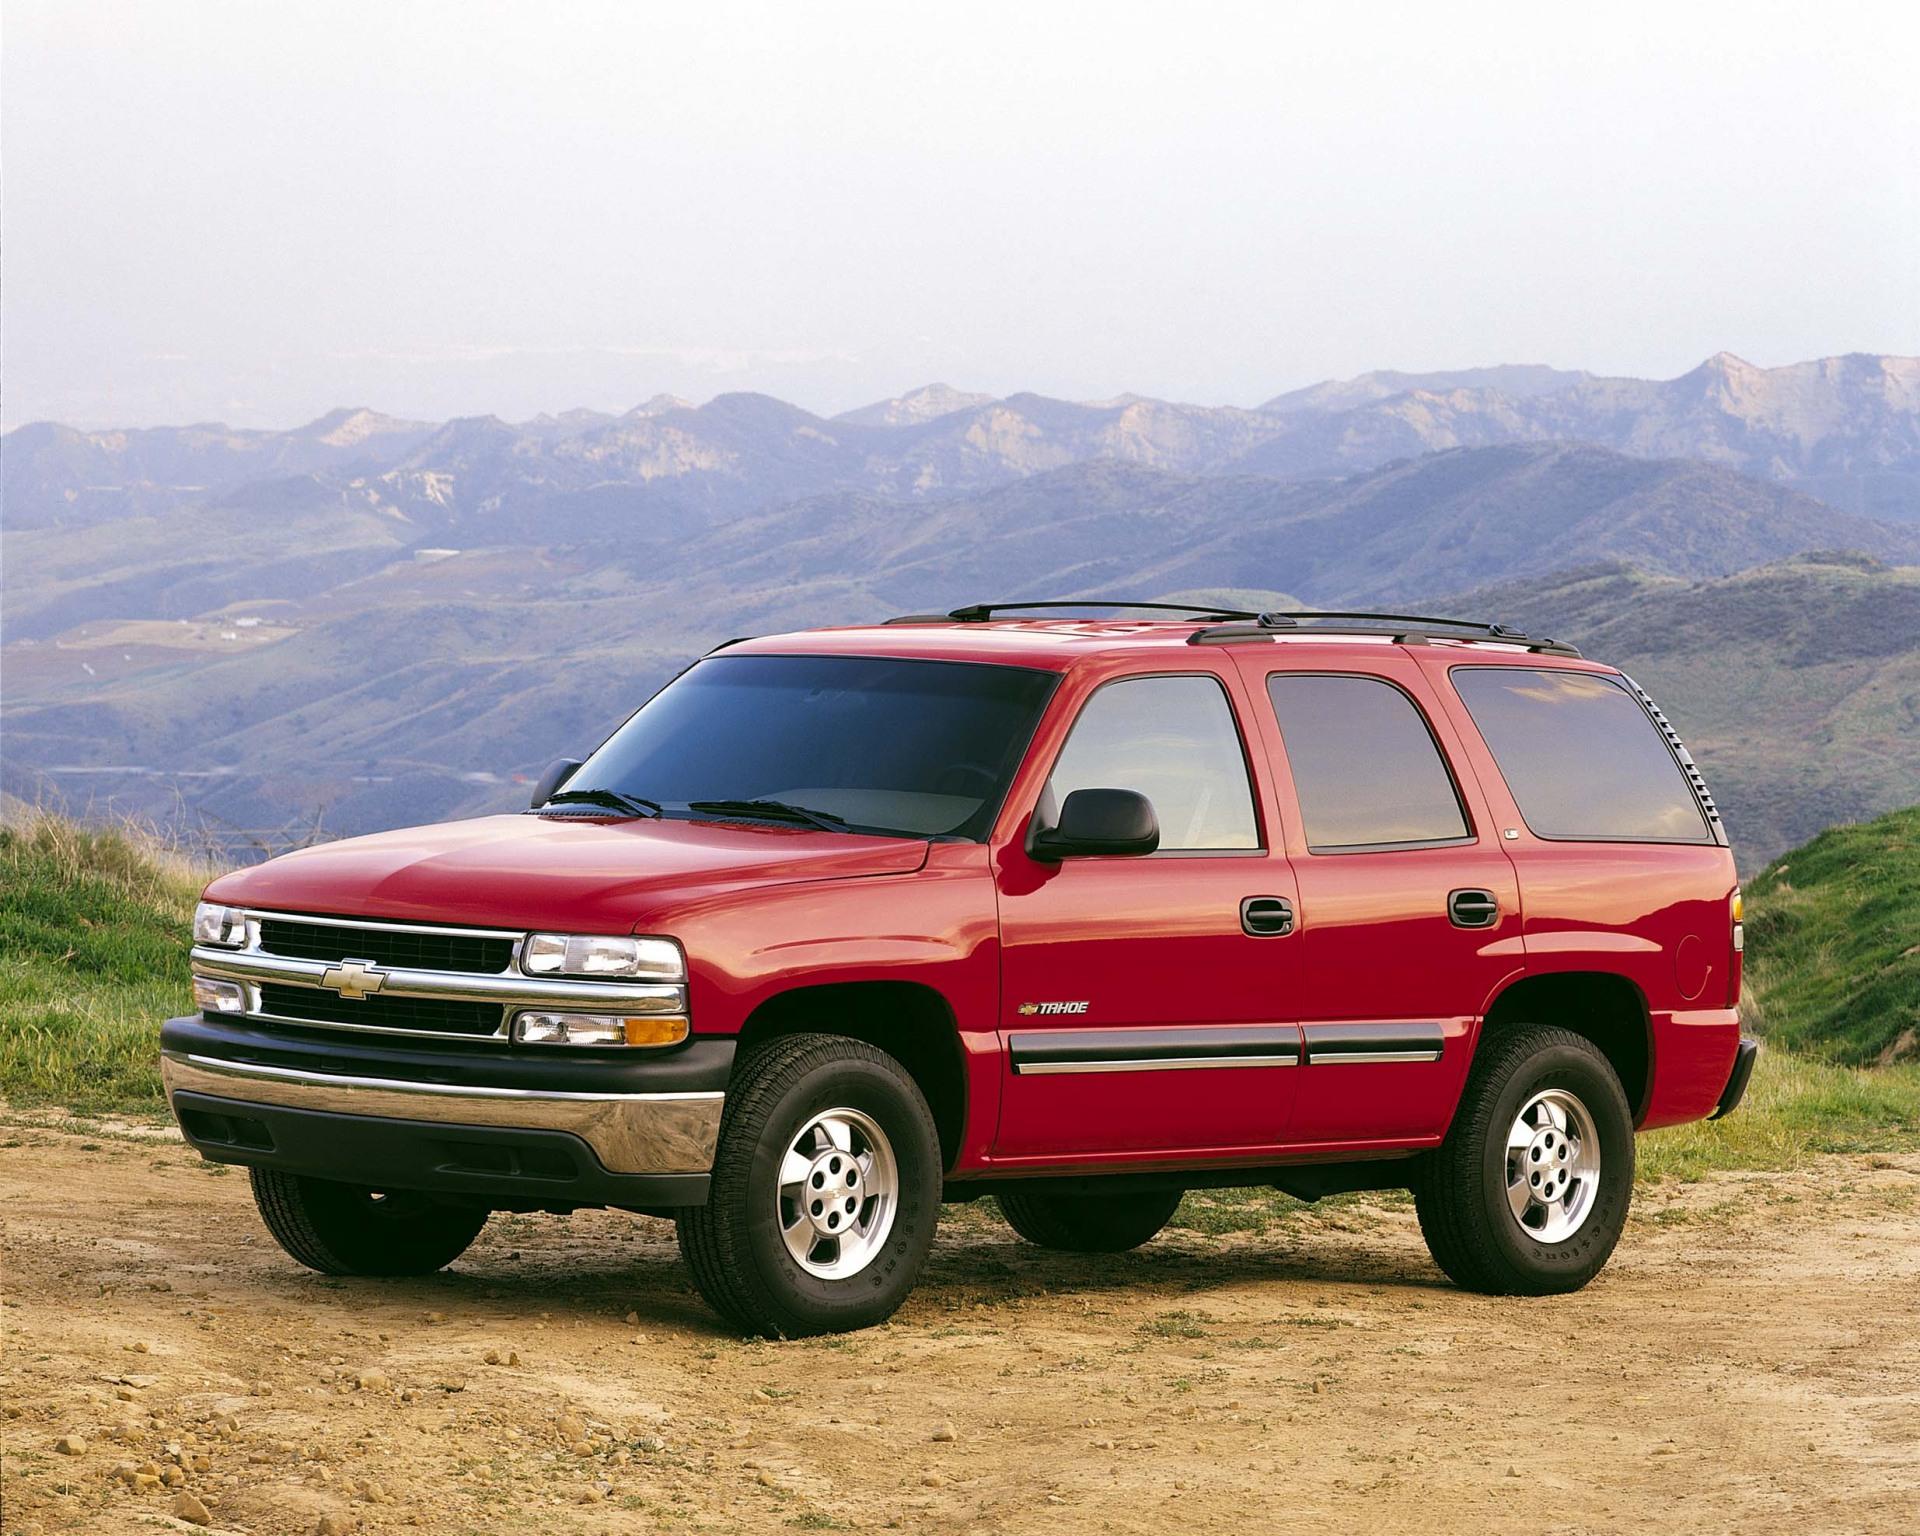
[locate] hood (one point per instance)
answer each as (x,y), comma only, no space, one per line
(548,872)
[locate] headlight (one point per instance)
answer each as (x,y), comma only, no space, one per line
(594,954)
(598,1029)
(215,924)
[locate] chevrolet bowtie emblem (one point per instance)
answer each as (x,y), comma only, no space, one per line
(355,978)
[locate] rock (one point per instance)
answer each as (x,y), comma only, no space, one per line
(581,1448)
(71,1445)
(934,1480)
(186,1507)
(145,1482)
(571,1427)
(946,1431)
(173,1477)
(593,1493)
(334,1525)
(375,1380)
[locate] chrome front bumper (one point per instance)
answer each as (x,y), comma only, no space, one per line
(630,1133)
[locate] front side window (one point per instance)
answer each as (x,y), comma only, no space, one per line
(1365,765)
(1173,740)
(905,748)
(1582,757)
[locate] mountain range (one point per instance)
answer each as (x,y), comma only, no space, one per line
(1843,429)
(373,620)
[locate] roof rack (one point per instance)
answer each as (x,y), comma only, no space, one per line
(1241,624)
(980,613)
(1405,628)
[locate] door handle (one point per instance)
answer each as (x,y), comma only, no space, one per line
(1473,909)
(1267,917)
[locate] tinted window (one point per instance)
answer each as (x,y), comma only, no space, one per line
(913,748)
(1581,756)
(1364,764)
(1173,740)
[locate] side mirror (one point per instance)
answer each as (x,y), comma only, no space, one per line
(1099,821)
(549,782)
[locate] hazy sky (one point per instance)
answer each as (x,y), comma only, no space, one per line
(254,212)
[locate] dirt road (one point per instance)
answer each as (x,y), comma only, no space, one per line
(1751,1362)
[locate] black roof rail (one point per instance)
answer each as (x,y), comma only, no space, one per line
(979,613)
(1406,629)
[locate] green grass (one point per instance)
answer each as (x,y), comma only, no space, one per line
(1833,943)
(93,956)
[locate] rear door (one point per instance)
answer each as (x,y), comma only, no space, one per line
(1409,912)
(1140,1014)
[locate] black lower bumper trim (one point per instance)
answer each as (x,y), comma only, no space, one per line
(1736,1089)
(503,1168)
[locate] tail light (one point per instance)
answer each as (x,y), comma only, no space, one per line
(1737,946)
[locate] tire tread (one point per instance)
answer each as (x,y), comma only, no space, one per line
(1451,1197)
(713,1237)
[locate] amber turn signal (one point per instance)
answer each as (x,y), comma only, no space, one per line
(599,1029)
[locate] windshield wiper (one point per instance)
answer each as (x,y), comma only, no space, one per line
(772,810)
(633,805)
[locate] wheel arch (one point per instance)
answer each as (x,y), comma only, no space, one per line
(1602,1006)
(910,1021)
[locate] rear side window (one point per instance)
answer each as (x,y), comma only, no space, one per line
(1173,740)
(1365,764)
(1582,758)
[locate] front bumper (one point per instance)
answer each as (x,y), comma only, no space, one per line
(518,1127)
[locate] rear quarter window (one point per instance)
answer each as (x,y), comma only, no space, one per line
(1582,757)
(1365,766)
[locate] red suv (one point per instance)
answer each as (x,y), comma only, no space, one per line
(1081,912)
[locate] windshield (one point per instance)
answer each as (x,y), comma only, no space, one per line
(903,748)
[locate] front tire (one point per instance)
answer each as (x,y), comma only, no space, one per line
(1089,1223)
(351,1229)
(1529,1193)
(825,1193)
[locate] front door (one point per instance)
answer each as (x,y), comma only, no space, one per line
(1409,908)
(1143,1011)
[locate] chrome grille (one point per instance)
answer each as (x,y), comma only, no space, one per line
(425,949)
(406,980)
(433,1015)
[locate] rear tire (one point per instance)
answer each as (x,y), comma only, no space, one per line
(351,1229)
(1529,1193)
(1089,1223)
(826,1189)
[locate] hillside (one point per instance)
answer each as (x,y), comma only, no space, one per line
(91,958)
(1439,523)
(1833,936)
(211,669)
